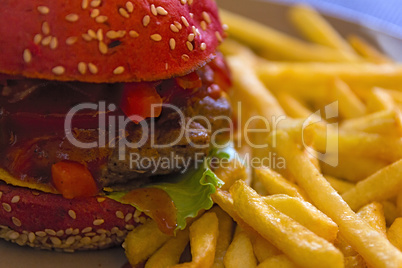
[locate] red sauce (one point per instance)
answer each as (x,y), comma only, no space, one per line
(157,204)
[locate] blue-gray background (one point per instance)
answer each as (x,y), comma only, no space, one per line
(384,15)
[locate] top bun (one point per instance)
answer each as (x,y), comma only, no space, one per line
(107,40)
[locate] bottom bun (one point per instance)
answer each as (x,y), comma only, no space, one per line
(49,221)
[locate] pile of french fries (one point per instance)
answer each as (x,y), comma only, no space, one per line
(338,201)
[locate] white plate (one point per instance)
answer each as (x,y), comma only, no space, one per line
(13,256)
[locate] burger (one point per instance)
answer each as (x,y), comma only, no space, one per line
(106,107)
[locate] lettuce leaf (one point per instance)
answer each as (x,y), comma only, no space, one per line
(191,191)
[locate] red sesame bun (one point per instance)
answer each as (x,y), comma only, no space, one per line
(107,41)
(49,221)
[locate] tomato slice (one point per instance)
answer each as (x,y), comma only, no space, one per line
(73,179)
(189,81)
(140,101)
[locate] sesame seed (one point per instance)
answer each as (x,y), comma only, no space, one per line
(161,11)
(71,40)
(99,35)
(166,67)
(189,46)
(16,221)
(225,27)
(69,231)
(13,235)
(146,20)
(114,229)
(31,237)
(86,37)
(178,25)
(92,68)
(183,2)
(6,207)
(130,227)
(100,199)
(92,34)
(53,43)
(45,28)
(156,37)
(119,214)
(203,25)
(86,230)
(37,38)
(128,217)
(70,240)
(124,13)
(90,234)
(94,13)
(46,41)
(103,48)
(174,28)
(133,34)
(206,17)
(40,233)
(86,240)
(98,222)
(55,240)
(185,22)
(95,3)
(137,213)
(72,17)
(203,46)
(50,232)
(172,43)
(58,70)
(129,6)
(118,70)
(115,34)
(101,19)
(60,233)
(84,4)
(196,31)
(43,10)
(27,58)
(71,212)
(184,57)
(153,10)
(191,37)
(76,231)
(218,36)
(16,198)
(82,68)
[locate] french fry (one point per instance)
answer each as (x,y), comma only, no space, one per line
(369,243)
(351,167)
(264,38)
(382,185)
(367,50)
(355,262)
(399,204)
(379,100)
(350,106)
(169,254)
(274,183)
(240,252)
(395,233)
(304,213)
(151,240)
(381,122)
(226,227)
(263,249)
(390,212)
(279,261)
(340,186)
(284,232)
(293,107)
(344,246)
(231,172)
(203,237)
(316,29)
(298,79)
(373,213)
